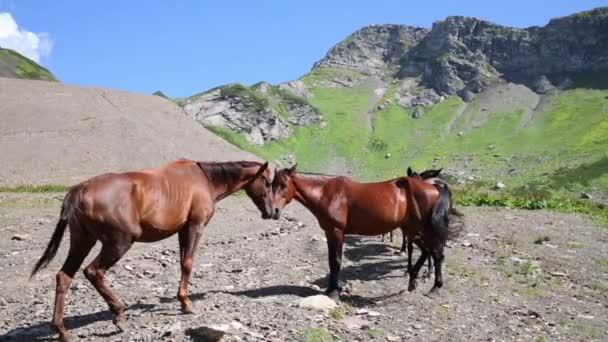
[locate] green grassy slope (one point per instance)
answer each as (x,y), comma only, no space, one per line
(564,146)
(22,67)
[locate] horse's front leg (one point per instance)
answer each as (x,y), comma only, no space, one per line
(335,243)
(189,238)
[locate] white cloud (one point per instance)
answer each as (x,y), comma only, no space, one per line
(29,44)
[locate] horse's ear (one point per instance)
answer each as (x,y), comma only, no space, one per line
(292,169)
(261,170)
(439,171)
(409,171)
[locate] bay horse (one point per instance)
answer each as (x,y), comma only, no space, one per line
(119,209)
(343,206)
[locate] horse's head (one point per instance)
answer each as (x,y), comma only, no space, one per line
(283,189)
(427,174)
(259,189)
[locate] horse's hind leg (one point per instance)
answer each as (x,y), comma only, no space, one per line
(438,257)
(414,271)
(403,242)
(111,252)
(429,269)
(189,238)
(410,250)
(80,245)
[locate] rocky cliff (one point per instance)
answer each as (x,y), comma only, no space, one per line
(464,56)
(260,113)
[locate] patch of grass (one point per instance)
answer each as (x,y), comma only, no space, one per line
(599,287)
(375,333)
(541,239)
(530,291)
(602,262)
(530,200)
(335,313)
(574,245)
(34,188)
(541,339)
(526,269)
(586,330)
(316,335)
(27,203)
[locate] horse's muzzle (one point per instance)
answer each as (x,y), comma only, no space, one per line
(277,214)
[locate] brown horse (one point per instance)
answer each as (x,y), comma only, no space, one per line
(119,209)
(343,206)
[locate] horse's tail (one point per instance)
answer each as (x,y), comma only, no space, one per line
(70,204)
(440,220)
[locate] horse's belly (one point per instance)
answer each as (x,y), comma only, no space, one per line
(368,227)
(153,234)
(156,230)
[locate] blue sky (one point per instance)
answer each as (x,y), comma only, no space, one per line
(184,47)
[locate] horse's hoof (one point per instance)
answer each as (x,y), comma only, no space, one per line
(412,286)
(333,294)
(188,310)
(122,325)
(65,338)
(434,293)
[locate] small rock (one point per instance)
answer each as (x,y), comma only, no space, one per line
(388,155)
(417,326)
(461,133)
(362,311)
(254,334)
(557,274)
(128,268)
(20,237)
(354,323)
(237,326)
(205,334)
(585,316)
(393,338)
(373,314)
(499,186)
(586,195)
(466,243)
(318,302)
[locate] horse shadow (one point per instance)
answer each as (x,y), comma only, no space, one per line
(43,331)
(376,266)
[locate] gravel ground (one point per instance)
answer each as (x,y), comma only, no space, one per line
(250,275)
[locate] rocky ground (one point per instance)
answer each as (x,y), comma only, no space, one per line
(513,275)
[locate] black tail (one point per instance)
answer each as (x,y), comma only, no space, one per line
(440,220)
(67,208)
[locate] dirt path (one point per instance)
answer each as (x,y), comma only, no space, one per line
(250,274)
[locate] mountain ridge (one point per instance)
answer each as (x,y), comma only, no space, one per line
(488,102)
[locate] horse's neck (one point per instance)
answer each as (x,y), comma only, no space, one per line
(308,190)
(225,178)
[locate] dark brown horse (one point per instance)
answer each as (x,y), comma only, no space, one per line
(119,209)
(432,177)
(343,206)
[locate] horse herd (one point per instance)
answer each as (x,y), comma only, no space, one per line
(119,209)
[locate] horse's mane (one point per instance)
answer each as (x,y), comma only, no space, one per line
(225,171)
